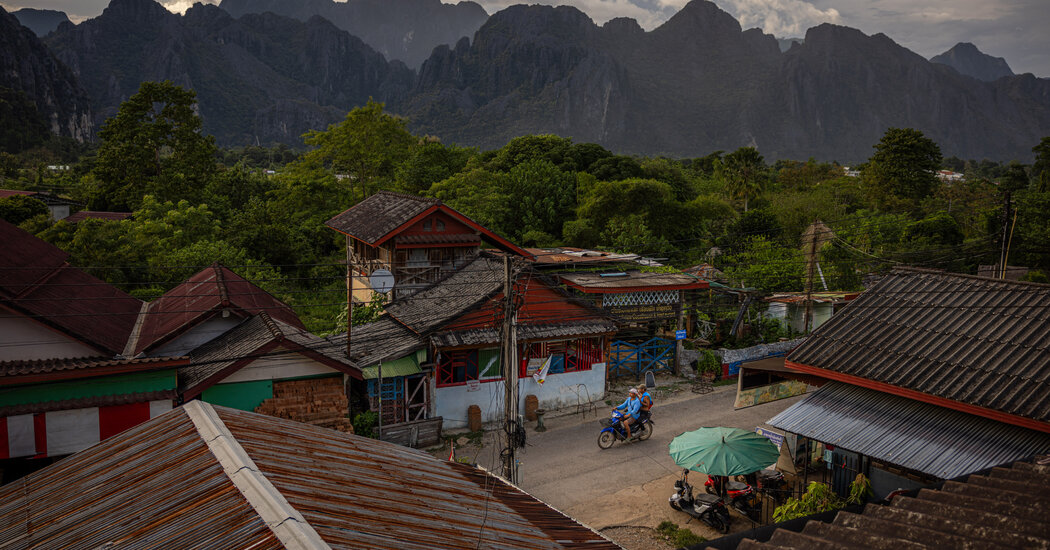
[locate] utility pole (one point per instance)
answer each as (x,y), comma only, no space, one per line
(510,376)
(1003,255)
(349,293)
(816,234)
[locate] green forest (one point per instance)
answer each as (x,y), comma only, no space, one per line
(262,210)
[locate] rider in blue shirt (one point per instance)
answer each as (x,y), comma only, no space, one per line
(631,406)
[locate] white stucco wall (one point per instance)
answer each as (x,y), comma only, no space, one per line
(278,365)
(559,390)
(197,336)
(22,338)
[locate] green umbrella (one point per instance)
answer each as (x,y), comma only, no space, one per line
(723,451)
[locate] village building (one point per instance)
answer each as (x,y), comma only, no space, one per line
(791,309)
(58,207)
(926,376)
(204,476)
(419,240)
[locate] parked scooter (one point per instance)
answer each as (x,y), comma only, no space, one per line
(707,508)
(612,430)
(740,496)
(770,482)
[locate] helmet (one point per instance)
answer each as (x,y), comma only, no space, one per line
(634,391)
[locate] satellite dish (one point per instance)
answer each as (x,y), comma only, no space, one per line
(381,281)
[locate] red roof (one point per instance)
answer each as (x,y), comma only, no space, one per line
(201,297)
(37,281)
(85,214)
(4,193)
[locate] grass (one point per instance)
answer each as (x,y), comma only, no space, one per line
(677,536)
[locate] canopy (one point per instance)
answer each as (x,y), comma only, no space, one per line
(723,451)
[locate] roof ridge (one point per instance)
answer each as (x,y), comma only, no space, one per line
(271,325)
(43,279)
(419,198)
(136,331)
(930,271)
(220,281)
(287,523)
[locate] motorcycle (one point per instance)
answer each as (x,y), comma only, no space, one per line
(770,482)
(741,496)
(612,429)
(707,508)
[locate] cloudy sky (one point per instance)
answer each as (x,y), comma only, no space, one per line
(1013,29)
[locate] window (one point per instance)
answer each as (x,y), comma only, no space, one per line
(459,367)
(566,355)
(426,225)
(439,225)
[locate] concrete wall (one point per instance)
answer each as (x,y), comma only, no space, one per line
(22,338)
(197,336)
(559,390)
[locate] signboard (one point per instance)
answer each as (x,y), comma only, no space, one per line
(679,334)
(473,385)
(534,366)
(649,312)
(777,439)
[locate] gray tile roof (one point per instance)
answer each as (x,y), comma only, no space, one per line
(974,340)
(475,337)
(445,300)
(378,215)
(934,440)
(1005,508)
(246,340)
(381,340)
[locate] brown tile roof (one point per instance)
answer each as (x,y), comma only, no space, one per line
(96,215)
(445,300)
(969,341)
(1004,508)
(199,298)
(373,218)
(36,280)
(162,483)
(257,337)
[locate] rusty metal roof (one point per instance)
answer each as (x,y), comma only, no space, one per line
(1004,508)
(631,281)
(202,296)
(373,218)
(161,484)
(970,340)
(817,297)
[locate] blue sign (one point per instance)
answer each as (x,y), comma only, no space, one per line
(679,334)
(777,439)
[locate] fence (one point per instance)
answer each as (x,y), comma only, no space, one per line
(657,355)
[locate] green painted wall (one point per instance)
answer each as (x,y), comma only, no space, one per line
(239,395)
(92,387)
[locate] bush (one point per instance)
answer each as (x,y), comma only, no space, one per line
(364,423)
(679,537)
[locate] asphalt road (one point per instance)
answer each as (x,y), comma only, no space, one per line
(628,484)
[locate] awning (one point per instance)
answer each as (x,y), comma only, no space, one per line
(919,436)
(403,366)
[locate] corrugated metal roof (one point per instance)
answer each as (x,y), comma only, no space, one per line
(375,217)
(10,371)
(935,440)
(447,299)
(475,337)
(200,297)
(631,281)
(1006,508)
(159,485)
(35,280)
(153,486)
(978,341)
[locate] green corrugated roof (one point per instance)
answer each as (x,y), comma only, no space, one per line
(403,366)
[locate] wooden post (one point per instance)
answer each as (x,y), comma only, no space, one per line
(510,376)
(349,293)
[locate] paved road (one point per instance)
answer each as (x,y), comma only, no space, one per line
(628,484)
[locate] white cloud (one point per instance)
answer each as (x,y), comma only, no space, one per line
(180,6)
(781,18)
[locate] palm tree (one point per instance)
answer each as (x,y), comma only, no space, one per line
(744,174)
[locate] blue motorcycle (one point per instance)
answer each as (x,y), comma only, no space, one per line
(612,429)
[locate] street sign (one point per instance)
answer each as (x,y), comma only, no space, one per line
(679,334)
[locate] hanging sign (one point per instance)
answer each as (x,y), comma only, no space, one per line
(679,334)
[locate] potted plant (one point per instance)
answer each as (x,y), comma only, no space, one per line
(708,365)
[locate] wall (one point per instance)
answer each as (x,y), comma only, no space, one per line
(794,315)
(197,336)
(766,394)
(23,338)
(284,365)
(559,390)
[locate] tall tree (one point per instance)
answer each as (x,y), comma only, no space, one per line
(744,173)
(154,146)
(1041,168)
(368,146)
(904,165)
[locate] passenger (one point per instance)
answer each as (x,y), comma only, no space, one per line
(646,403)
(630,406)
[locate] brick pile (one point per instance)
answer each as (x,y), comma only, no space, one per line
(317,401)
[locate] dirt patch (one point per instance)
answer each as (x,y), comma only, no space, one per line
(637,538)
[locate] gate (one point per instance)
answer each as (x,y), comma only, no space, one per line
(627,359)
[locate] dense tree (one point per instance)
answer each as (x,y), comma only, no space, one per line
(763,264)
(1041,168)
(19,208)
(541,199)
(744,174)
(904,166)
(154,145)
(479,194)
(366,148)
(430,163)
